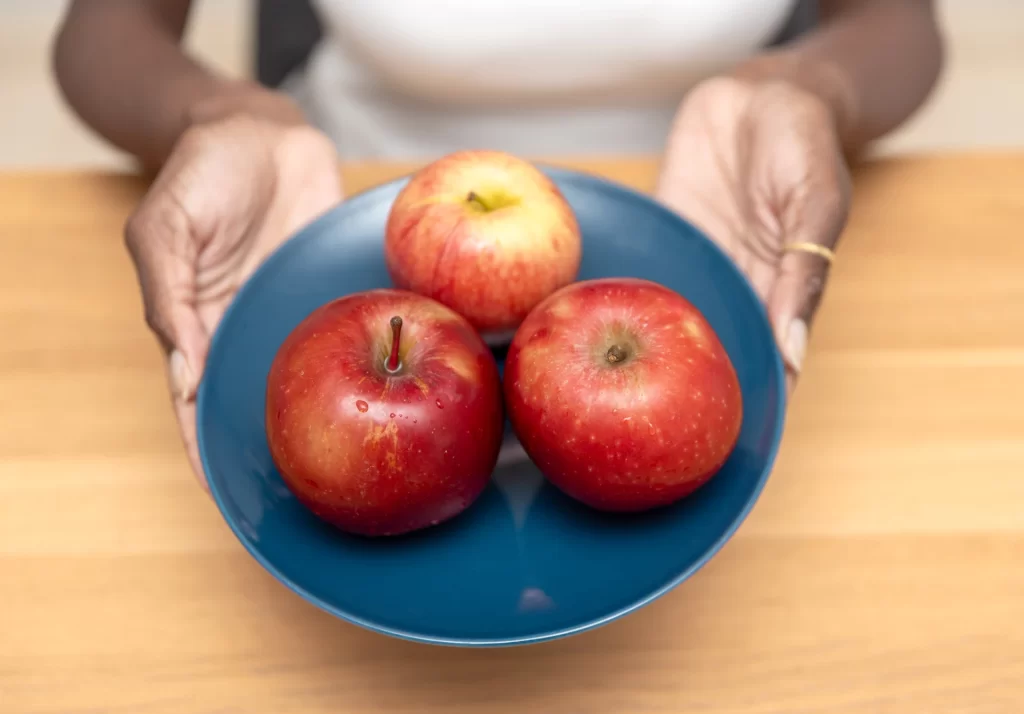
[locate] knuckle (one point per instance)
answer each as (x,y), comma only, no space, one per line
(814,284)
(833,202)
(136,227)
(153,225)
(305,143)
(306,155)
(844,182)
(149,234)
(151,316)
(195,139)
(157,326)
(829,203)
(816,109)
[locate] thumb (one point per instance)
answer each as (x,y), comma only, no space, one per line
(802,275)
(794,302)
(160,241)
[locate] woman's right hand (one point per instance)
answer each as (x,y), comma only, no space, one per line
(240,180)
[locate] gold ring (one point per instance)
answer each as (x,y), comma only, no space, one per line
(812,248)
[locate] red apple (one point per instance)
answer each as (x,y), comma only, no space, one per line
(384,412)
(485,233)
(621,394)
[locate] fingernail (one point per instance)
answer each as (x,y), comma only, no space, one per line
(796,344)
(182,378)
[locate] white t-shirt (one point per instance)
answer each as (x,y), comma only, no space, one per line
(419,78)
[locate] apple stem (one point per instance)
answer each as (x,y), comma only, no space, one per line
(471,197)
(616,354)
(396,335)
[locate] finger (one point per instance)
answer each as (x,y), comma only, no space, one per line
(185,410)
(794,301)
(803,274)
(307,175)
(308,159)
(159,240)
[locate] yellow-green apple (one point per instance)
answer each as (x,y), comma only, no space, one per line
(622,394)
(487,234)
(383,412)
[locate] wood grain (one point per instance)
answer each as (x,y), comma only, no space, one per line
(882,570)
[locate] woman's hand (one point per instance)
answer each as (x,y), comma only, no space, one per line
(236,185)
(759,167)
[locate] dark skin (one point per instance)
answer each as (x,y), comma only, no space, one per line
(121,67)
(855,49)
(757,158)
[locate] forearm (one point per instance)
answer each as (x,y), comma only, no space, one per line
(873,61)
(120,67)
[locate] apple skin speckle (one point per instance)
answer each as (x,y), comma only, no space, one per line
(367,449)
(485,233)
(631,433)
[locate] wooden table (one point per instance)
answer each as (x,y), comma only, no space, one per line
(882,571)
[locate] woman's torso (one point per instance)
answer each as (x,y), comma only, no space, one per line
(412,78)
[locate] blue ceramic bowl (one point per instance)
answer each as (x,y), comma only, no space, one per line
(524,563)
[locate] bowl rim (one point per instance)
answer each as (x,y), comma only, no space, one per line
(558,174)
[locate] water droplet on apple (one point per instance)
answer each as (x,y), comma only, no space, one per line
(392,415)
(439,404)
(362,406)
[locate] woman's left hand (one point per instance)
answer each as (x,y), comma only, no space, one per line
(759,167)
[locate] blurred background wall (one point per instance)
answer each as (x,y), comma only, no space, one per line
(980,103)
